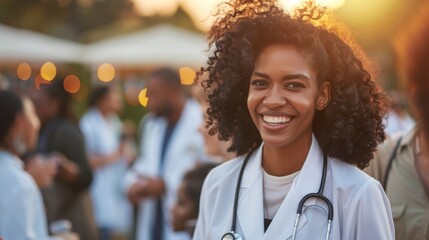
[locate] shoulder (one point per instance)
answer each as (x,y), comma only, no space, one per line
(223,175)
(67,130)
(352,183)
(349,177)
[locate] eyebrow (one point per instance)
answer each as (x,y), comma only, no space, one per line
(286,77)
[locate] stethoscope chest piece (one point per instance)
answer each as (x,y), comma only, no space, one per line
(231,236)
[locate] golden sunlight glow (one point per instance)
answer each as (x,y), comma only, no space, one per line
(143,99)
(334,4)
(71,83)
(48,71)
(187,75)
(156,7)
(106,72)
(291,5)
(23,71)
(201,11)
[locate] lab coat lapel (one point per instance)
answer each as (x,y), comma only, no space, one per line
(307,181)
(152,147)
(250,205)
(179,136)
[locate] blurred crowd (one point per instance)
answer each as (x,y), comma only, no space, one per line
(67,178)
(88,178)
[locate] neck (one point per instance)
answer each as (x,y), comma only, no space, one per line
(104,112)
(175,114)
(285,160)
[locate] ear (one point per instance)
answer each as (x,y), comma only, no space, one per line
(324,96)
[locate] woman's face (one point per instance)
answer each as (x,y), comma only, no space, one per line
(284,95)
(183,210)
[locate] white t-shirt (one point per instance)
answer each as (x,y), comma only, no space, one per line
(275,191)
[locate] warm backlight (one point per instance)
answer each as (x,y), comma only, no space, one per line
(23,71)
(187,75)
(106,72)
(143,99)
(48,71)
(71,83)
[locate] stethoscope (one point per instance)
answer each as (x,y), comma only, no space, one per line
(232,235)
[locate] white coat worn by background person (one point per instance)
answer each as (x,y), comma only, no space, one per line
(361,209)
(184,150)
(22,214)
(102,136)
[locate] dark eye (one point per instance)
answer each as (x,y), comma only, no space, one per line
(294,85)
(259,83)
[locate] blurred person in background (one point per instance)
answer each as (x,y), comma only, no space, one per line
(102,129)
(398,120)
(216,149)
(185,211)
(170,145)
(401,164)
(61,142)
(22,215)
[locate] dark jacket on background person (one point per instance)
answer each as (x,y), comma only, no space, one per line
(62,199)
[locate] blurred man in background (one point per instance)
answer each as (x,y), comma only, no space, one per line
(171,144)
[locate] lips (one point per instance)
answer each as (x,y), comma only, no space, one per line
(275,121)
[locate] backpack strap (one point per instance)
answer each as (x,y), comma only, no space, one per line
(389,166)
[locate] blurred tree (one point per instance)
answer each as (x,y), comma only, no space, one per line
(64,18)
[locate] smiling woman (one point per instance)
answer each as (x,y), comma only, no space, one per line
(298,104)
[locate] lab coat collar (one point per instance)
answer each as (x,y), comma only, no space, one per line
(11,159)
(250,210)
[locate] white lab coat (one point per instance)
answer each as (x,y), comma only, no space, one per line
(22,214)
(185,148)
(361,209)
(102,136)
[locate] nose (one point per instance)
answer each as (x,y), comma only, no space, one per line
(274,98)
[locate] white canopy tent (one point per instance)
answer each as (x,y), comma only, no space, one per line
(24,45)
(159,45)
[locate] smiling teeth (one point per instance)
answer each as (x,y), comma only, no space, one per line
(276,120)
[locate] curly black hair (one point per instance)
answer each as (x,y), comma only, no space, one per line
(349,128)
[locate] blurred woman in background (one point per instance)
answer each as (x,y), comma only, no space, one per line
(102,129)
(22,214)
(61,141)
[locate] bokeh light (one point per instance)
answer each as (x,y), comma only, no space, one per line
(143,99)
(106,72)
(39,81)
(187,75)
(24,71)
(48,71)
(71,83)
